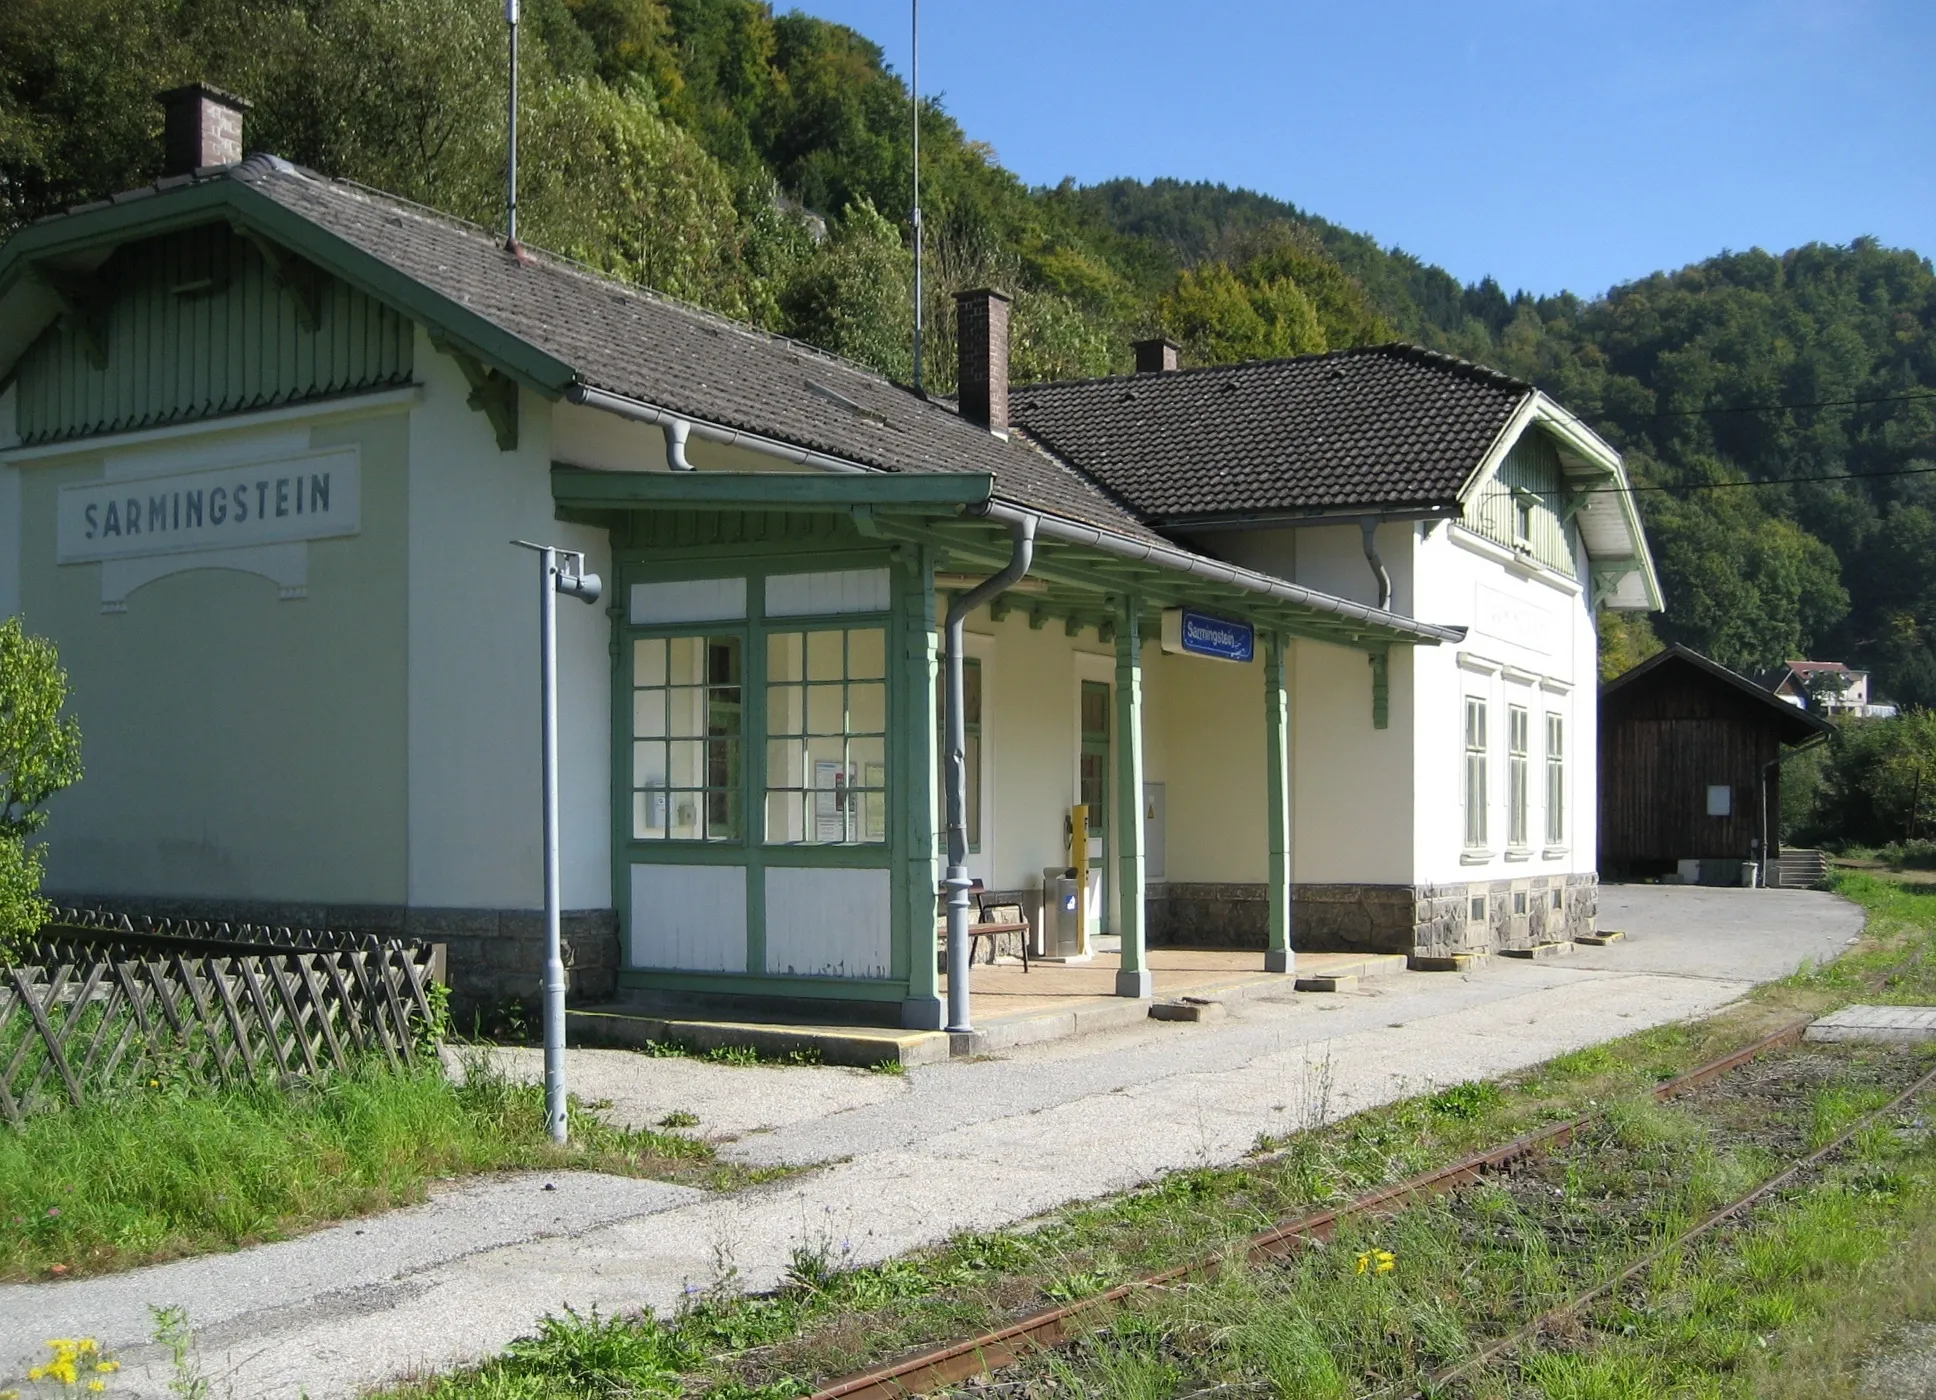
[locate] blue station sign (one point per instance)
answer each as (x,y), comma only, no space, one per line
(1188,632)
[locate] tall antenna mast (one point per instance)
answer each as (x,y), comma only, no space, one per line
(915,86)
(511,19)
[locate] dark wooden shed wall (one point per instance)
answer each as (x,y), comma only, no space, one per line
(1663,740)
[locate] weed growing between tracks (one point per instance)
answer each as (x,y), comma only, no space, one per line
(828,1321)
(178,1170)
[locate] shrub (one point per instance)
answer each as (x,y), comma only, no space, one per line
(40,753)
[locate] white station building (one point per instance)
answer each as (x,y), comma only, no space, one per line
(1310,642)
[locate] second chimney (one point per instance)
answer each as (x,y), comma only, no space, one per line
(1156,356)
(981,348)
(201,126)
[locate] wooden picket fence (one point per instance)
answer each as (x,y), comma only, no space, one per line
(102,1003)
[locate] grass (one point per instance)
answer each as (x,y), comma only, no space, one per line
(1823,1268)
(155,1175)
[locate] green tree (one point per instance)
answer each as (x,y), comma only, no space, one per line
(1218,318)
(40,753)
(855,297)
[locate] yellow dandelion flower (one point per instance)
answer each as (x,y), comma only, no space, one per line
(58,1343)
(97,1385)
(89,1346)
(38,1373)
(1386,1261)
(107,1368)
(1364,1262)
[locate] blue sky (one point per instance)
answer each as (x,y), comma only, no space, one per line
(1551,145)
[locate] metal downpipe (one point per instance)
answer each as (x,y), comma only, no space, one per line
(1370,527)
(1021,531)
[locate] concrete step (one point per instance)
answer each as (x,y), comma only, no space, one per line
(1539,952)
(859,1046)
(1445,962)
(1601,939)
(1346,983)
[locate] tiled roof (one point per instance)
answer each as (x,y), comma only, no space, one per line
(620,338)
(1389,426)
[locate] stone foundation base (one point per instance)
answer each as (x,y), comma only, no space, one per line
(1481,916)
(493,955)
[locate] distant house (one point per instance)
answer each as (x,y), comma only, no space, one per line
(1827,687)
(1690,769)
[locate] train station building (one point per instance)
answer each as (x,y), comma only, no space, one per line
(1303,657)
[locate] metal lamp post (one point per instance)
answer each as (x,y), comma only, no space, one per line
(569,578)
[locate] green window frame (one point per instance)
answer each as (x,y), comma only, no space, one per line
(825,776)
(1555,779)
(688,736)
(1094,786)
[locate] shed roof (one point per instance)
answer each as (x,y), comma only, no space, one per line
(1796,724)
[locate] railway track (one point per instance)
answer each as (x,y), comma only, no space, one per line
(940,1368)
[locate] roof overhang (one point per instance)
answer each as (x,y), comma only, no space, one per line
(1599,501)
(579,490)
(81,241)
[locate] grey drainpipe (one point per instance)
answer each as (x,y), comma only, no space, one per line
(1022,531)
(676,432)
(1370,526)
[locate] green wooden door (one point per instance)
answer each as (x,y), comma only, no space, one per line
(1094,780)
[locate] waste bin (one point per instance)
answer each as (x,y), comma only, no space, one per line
(1061,913)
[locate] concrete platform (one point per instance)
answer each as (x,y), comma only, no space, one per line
(1011,1007)
(1905,1025)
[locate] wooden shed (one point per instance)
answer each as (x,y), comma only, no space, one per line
(1690,777)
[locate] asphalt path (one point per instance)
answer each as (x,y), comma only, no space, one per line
(896,1163)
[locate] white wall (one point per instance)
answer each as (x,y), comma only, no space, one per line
(1531,642)
(475,819)
(238,743)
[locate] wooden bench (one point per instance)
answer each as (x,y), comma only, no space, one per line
(991,921)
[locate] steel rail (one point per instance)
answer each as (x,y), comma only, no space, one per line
(1639,1266)
(953,1362)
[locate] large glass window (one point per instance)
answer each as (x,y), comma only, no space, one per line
(971,750)
(1475,772)
(1518,740)
(1555,780)
(687,732)
(826,727)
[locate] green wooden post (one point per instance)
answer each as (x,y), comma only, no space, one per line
(1279,955)
(911,784)
(1133,980)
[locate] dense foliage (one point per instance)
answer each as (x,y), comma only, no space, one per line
(760,164)
(40,753)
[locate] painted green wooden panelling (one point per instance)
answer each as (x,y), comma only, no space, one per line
(1531,472)
(193,326)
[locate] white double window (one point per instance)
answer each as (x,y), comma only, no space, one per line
(1474,794)
(1555,779)
(1518,762)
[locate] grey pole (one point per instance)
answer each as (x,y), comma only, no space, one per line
(554,974)
(914,86)
(511,19)
(553,580)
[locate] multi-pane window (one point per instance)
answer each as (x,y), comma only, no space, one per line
(971,748)
(826,744)
(1555,780)
(686,738)
(1095,753)
(1475,772)
(1518,755)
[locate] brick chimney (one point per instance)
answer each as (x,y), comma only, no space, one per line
(981,345)
(1156,356)
(202,126)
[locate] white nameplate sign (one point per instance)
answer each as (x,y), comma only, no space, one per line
(309,496)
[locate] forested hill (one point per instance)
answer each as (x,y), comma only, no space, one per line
(759,164)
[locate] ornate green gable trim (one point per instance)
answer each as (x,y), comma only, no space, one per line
(194,324)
